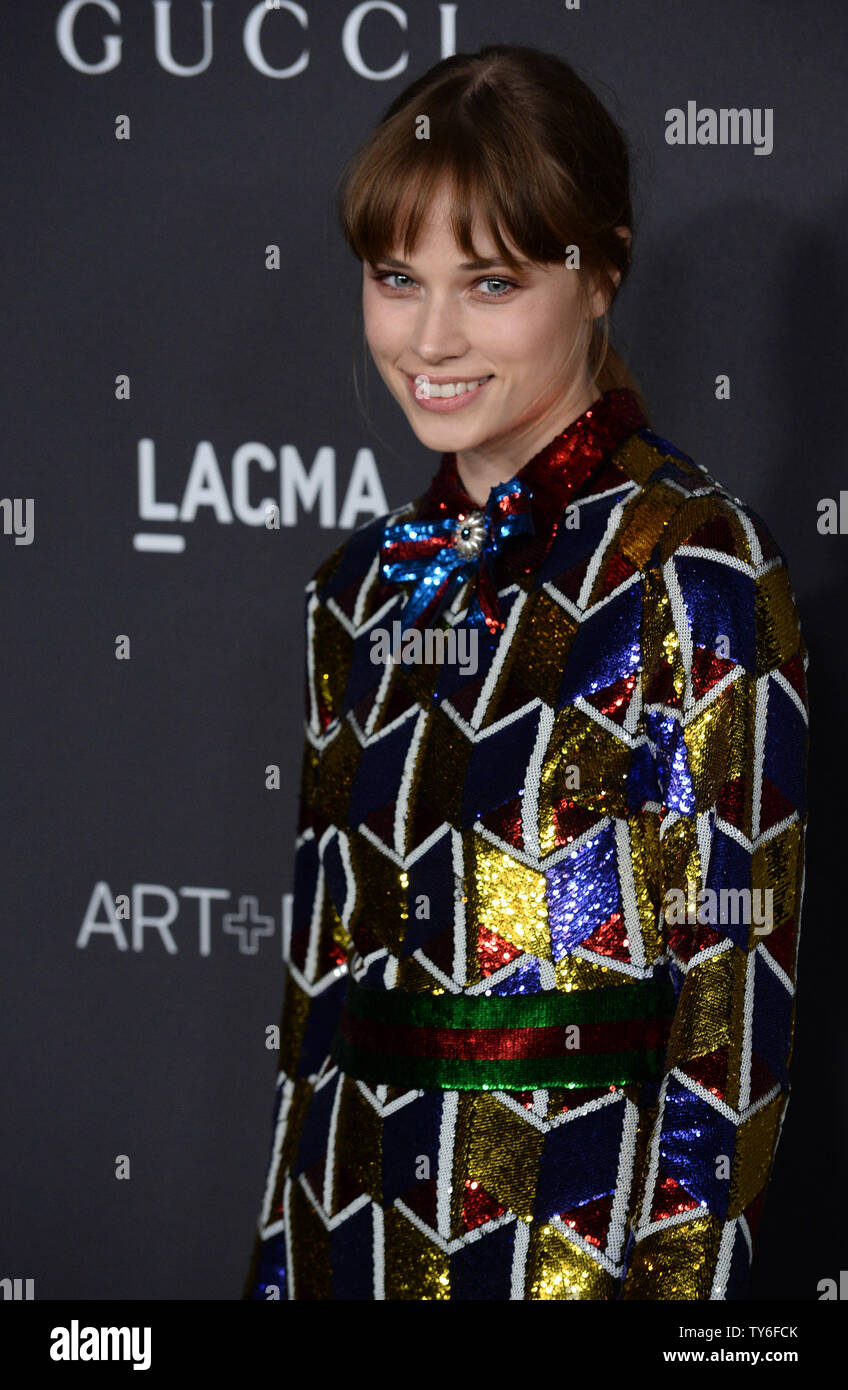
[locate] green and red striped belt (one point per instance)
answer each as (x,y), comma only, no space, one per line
(594,1037)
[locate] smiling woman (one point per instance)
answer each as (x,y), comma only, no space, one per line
(508,1069)
(518,351)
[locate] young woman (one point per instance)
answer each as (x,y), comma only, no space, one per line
(540,991)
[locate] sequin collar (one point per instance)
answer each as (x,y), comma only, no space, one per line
(554,474)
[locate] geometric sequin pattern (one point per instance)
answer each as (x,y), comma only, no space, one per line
(636,736)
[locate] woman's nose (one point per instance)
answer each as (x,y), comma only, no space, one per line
(438,329)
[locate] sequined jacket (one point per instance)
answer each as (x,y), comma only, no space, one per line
(617,796)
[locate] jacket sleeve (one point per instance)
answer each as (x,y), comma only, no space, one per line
(315,954)
(726,719)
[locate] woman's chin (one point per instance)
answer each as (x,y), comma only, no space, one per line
(444,433)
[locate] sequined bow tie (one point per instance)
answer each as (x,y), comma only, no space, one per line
(439,557)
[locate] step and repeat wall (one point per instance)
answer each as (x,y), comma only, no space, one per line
(183,342)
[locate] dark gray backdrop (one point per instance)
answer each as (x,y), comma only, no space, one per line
(146,257)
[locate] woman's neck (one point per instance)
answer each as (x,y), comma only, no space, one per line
(497,461)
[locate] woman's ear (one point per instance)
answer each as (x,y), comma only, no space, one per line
(601,298)
(627,237)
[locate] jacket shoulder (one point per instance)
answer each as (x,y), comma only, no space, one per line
(726,572)
(680,503)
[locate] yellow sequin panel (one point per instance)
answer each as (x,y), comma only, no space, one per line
(699,510)
(702,1021)
(776,865)
(308,780)
(415,1267)
(295,1013)
(637,458)
(680,865)
(412,976)
(572,972)
(716,742)
(508,898)
(675,1262)
(645,860)
(357,1151)
(671,652)
(310,1242)
(418,679)
(778,630)
(541,646)
(381,896)
(644,521)
(331,651)
(755,1145)
(687,520)
(336,774)
(441,768)
(557,1269)
(660,645)
(736,1048)
(590,770)
(502,1154)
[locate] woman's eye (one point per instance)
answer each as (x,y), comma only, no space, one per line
(391,275)
(498,280)
(503,293)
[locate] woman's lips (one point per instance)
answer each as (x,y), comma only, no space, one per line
(441,404)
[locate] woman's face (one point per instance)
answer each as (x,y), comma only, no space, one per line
(439,320)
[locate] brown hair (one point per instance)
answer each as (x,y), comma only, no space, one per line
(519,136)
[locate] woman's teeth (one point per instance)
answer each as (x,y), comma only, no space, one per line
(449,388)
